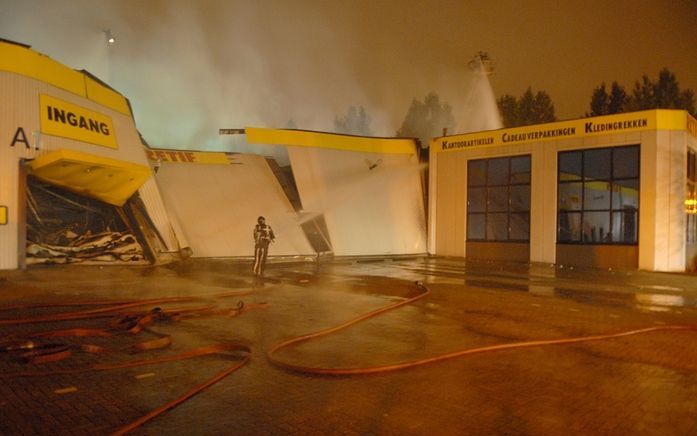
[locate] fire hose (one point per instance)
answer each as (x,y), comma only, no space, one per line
(232,349)
(309,370)
(38,353)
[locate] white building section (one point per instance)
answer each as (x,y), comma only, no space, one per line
(367,189)
(615,191)
(216,199)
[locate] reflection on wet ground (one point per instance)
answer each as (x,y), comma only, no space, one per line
(639,384)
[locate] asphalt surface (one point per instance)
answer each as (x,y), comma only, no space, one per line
(640,384)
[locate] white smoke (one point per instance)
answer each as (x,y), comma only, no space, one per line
(191,67)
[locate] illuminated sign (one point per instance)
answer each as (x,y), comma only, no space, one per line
(67,120)
(604,125)
(3,215)
(188,157)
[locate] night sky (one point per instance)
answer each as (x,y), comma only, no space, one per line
(191,67)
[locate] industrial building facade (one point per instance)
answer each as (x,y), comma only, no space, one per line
(78,184)
(71,161)
(615,191)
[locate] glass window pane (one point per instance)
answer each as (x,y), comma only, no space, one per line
(476,200)
(596,225)
(476,173)
(520,226)
(596,195)
(497,171)
(625,162)
(498,199)
(570,196)
(596,164)
(475,226)
(520,198)
(570,165)
(625,193)
(520,169)
(569,227)
(497,226)
(624,226)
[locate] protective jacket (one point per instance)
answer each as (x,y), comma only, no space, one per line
(263,235)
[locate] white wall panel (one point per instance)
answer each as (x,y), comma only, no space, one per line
(368,212)
(152,199)
(217,206)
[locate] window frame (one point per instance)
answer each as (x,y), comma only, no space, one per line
(611,210)
(488,187)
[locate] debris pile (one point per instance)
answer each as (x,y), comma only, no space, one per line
(65,227)
(103,247)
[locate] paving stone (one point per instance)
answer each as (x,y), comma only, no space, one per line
(644,384)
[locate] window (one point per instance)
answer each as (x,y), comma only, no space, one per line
(598,196)
(691,231)
(498,199)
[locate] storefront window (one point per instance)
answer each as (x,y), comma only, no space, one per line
(498,199)
(598,196)
(691,197)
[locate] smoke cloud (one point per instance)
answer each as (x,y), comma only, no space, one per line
(192,67)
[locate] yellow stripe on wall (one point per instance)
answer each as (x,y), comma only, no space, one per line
(333,141)
(657,119)
(106,96)
(185,156)
(27,62)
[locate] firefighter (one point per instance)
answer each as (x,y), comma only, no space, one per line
(263,236)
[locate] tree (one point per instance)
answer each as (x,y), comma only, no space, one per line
(530,108)
(355,122)
(618,99)
(603,103)
(665,93)
(425,120)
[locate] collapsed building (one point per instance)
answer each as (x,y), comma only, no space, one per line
(79,185)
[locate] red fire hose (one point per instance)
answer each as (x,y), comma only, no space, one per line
(410,364)
(125,323)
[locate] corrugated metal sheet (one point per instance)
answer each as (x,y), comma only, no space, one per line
(217,207)
(17,110)
(152,199)
(372,202)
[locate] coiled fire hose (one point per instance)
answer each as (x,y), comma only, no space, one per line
(236,349)
(38,353)
(308,370)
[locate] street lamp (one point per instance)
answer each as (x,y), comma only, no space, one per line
(109,37)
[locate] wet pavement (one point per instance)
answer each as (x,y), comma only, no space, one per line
(643,384)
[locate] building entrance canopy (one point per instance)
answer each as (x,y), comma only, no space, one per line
(109,180)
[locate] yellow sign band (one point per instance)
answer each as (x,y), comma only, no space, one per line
(334,141)
(67,120)
(658,119)
(184,156)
